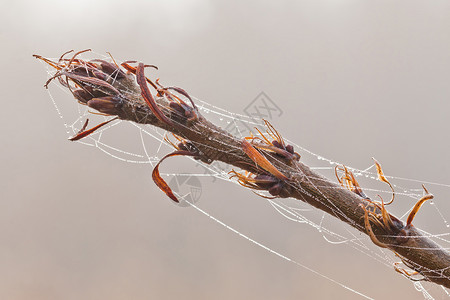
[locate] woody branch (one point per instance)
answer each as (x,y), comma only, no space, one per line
(123,92)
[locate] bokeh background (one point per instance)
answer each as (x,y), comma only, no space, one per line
(354,79)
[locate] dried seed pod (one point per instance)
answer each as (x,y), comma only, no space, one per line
(107,105)
(81,71)
(277,190)
(290,149)
(91,81)
(178,112)
(110,69)
(277,144)
(265,181)
(82,95)
(100,75)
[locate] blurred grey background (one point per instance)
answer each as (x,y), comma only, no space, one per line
(354,79)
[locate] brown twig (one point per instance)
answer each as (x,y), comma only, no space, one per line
(273,165)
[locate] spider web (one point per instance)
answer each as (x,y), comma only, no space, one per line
(145,144)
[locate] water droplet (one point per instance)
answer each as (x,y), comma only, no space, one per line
(448,225)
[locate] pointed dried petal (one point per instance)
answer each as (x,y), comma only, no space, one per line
(381,177)
(145,92)
(260,160)
(91,80)
(161,183)
(85,133)
(417,206)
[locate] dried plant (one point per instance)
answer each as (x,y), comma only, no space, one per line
(122,92)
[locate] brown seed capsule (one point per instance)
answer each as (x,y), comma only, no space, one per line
(82,96)
(99,75)
(277,144)
(81,71)
(107,105)
(177,107)
(276,189)
(265,181)
(177,114)
(110,69)
(290,149)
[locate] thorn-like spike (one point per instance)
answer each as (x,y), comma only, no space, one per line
(84,133)
(383,178)
(417,206)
